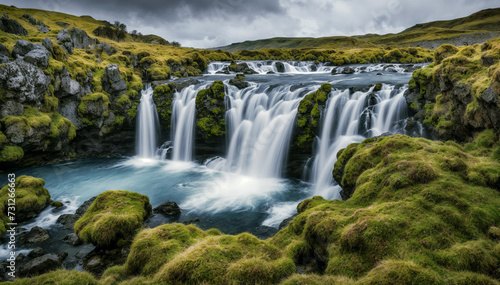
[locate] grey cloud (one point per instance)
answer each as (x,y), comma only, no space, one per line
(211,23)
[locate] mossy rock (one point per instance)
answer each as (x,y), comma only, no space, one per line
(11,154)
(163,97)
(30,199)
(113,219)
(210,111)
(308,117)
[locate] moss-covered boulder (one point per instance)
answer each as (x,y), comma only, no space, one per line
(30,199)
(113,218)
(163,96)
(457,96)
(210,112)
(239,81)
(308,117)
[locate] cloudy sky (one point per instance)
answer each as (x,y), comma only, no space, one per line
(212,23)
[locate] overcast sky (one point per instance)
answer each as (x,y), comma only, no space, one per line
(212,23)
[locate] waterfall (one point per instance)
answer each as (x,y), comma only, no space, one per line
(260,121)
(183,118)
(350,118)
(147,133)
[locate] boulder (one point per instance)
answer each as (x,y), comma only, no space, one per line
(280,67)
(22,48)
(67,220)
(42,264)
(72,239)
(64,25)
(168,208)
(30,19)
(47,43)
(43,29)
(78,39)
(241,68)
(334,71)
(112,82)
(37,252)
(106,48)
(4,51)
(348,70)
(23,82)
(239,81)
(69,87)
(38,57)
(12,27)
(37,235)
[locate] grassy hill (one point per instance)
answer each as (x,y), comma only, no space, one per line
(476,28)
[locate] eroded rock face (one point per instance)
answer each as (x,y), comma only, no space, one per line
(23,82)
(75,38)
(112,81)
(22,48)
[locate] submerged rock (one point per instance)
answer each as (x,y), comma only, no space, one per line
(168,208)
(239,81)
(36,252)
(37,235)
(72,239)
(348,70)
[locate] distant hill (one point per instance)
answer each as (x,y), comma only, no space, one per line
(476,28)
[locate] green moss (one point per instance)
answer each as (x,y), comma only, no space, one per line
(11,154)
(56,204)
(210,111)
(60,277)
(443,52)
(163,97)
(309,113)
(113,216)
(30,196)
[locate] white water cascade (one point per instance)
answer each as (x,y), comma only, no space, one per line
(260,123)
(147,133)
(183,118)
(350,118)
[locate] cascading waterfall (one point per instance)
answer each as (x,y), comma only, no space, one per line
(350,118)
(147,133)
(183,117)
(260,122)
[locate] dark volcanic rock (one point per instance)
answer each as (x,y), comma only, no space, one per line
(68,220)
(168,208)
(36,252)
(286,221)
(280,67)
(12,27)
(30,19)
(36,235)
(264,232)
(348,70)
(40,265)
(239,81)
(72,239)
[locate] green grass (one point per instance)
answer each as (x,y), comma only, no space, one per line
(113,218)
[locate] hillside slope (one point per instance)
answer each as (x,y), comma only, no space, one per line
(476,28)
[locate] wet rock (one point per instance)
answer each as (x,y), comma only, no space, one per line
(38,57)
(286,221)
(99,260)
(107,48)
(36,252)
(112,81)
(348,70)
(40,265)
(83,208)
(264,232)
(280,67)
(378,73)
(241,68)
(72,239)
(334,71)
(270,72)
(12,27)
(36,235)
(314,67)
(193,221)
(239,81)
(168,208)
(68,220)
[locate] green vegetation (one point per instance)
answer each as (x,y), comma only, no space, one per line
(210,111)
(475,25)
(30,198)
(308,117)
(416,215)
(113,218)
(163,96)
(459,91)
